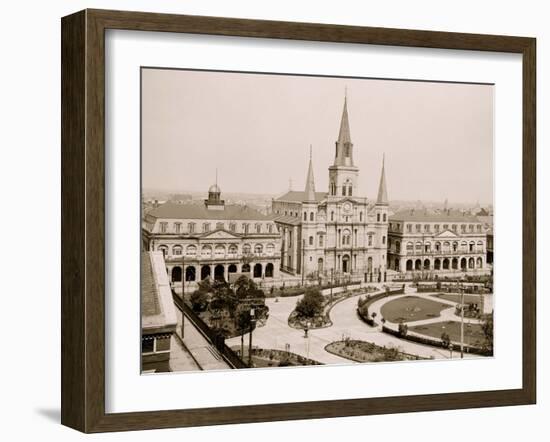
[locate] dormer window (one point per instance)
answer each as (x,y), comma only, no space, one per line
(163,227)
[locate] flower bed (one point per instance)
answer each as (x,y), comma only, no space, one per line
(362,351)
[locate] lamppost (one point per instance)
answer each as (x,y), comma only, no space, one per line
(331,282)
(252,322)
(306,328)
(451,350)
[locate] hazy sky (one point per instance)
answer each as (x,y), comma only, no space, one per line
(257,129)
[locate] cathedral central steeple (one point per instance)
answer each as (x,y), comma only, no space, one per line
(343,173)
(344,146)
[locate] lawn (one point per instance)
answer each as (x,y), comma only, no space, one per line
(412,308)
(473,333)
(453,297)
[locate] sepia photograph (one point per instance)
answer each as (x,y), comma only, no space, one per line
(303,220)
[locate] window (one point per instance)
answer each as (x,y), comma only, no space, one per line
(479,228)
(258,249)
(163,227)
(206,227)
(349,190)
(437,246)
(258,228)
(321,240)
(270,249)
(191,227)
(383,240)
(311,216)
(233,249)
(426,227)
(191,250)
(384,217)
(177,227)
(311,240)
(206,252)
(270,228)
(176,250)
(245,228)
(409,228)
(445,226)
(410,247)
(418,227)
(436,227)
(332,216)
(232,227)
(463,228)
(453,228)
(471,227)
(378,217)
(332,188)
(219,251)
(148,345)
(427,247)
(418,246)
(370,240)
(246,249)
(343,190)
(305,216)
(360,216)
(219,226)
(164,250)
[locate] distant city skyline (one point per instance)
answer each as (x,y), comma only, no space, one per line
(256,130)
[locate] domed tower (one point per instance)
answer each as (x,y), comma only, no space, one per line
(214,200)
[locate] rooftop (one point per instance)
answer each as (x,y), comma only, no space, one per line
(158,314)
(296,196)
(425,215)
(200,211)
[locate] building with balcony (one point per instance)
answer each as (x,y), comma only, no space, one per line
(336,233)
(213,240)
(449,242)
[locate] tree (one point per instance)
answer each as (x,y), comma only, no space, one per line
(199,300)
(245,287)
(243,322)
(223,297)
(311,304)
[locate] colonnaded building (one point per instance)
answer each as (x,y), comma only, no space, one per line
(214,240)
(446,243)
(337,231)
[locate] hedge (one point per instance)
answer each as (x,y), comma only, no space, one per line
(433,342)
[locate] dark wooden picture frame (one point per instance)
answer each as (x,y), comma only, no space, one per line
(83,220)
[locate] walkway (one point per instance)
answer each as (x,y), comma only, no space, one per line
(205,356)
(276,334)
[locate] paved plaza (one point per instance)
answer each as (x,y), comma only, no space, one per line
(277,334)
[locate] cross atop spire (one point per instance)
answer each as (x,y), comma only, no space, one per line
(344,146)
(310,182)
(382,199)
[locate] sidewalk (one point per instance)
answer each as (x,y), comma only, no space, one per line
(204,355)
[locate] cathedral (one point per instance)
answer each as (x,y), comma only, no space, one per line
(337,233)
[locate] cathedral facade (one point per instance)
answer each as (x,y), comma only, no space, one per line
(335,233)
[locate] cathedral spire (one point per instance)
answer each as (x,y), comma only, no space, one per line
(344,154)
(310,182)
(382,199)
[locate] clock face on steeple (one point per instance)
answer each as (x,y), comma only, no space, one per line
(347,207)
